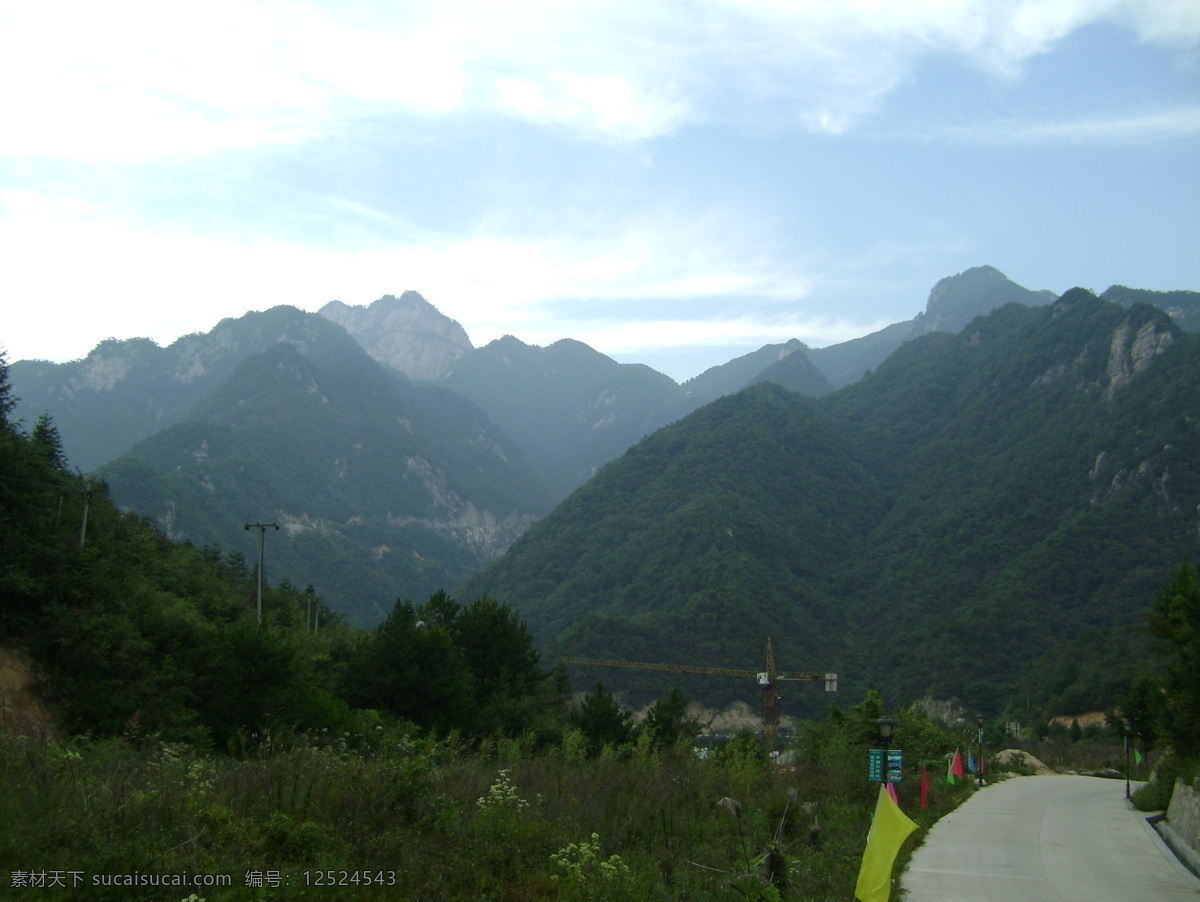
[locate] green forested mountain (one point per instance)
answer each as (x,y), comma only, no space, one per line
(135,636)
(382,488)
(568,407)
(980,498)
(551,416)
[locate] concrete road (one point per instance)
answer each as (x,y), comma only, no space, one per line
(1046,839)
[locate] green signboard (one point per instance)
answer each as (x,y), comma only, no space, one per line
(876,762)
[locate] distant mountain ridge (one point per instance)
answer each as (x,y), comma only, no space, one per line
(553,416)
(953,302)
(570,408)
(742,371)
(1182,306)
(124,391)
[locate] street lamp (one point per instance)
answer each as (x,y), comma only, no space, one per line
(1127,728)
(887,727)
(979,764)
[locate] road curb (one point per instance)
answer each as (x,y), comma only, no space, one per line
(1184,854)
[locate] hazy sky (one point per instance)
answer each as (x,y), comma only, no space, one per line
(671,182)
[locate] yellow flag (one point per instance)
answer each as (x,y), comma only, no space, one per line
(889,829)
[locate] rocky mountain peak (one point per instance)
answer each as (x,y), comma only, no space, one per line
(956,300)
(406,333)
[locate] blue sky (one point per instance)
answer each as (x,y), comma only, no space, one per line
(674,183)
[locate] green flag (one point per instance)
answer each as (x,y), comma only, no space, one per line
(1137,757)
(889,829)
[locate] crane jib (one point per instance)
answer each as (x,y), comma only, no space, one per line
(762,677)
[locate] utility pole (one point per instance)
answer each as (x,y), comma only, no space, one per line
(87,498)
(262,529)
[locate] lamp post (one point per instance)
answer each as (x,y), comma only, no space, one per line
(979,764)
(1127,727)
(887,727)
(262,528)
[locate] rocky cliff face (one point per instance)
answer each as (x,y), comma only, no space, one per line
(406,333)
(1133,346)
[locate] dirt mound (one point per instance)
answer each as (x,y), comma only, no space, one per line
(1090,719)
(22,711)
(1022,759)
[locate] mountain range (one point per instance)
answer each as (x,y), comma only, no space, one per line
(939,526)
(381,486)
(398,457)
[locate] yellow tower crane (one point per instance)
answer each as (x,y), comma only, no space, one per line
(766,679)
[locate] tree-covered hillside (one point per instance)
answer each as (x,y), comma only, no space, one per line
(382,488)
(135,635)
(934,528)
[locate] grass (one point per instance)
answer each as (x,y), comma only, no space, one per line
(391,817)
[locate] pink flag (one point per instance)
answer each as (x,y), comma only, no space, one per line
(892,792)
(924,787)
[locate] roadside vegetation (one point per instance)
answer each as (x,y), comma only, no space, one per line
(395,813)
(1163,707)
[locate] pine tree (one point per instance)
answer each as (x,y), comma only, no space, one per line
(1174,621)
(602,720)
(45,436)
(8,401)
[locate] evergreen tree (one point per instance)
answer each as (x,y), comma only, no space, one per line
(668,723)
(1175,622)
(1142,706)
(411,668)
(504,666)
(602,720)
(8,401)
(45,436)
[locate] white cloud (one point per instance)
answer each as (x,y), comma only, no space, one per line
(133,79)
(102,278)
(1137,128)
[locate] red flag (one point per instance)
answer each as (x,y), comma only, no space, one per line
(924,787)
(956,768)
